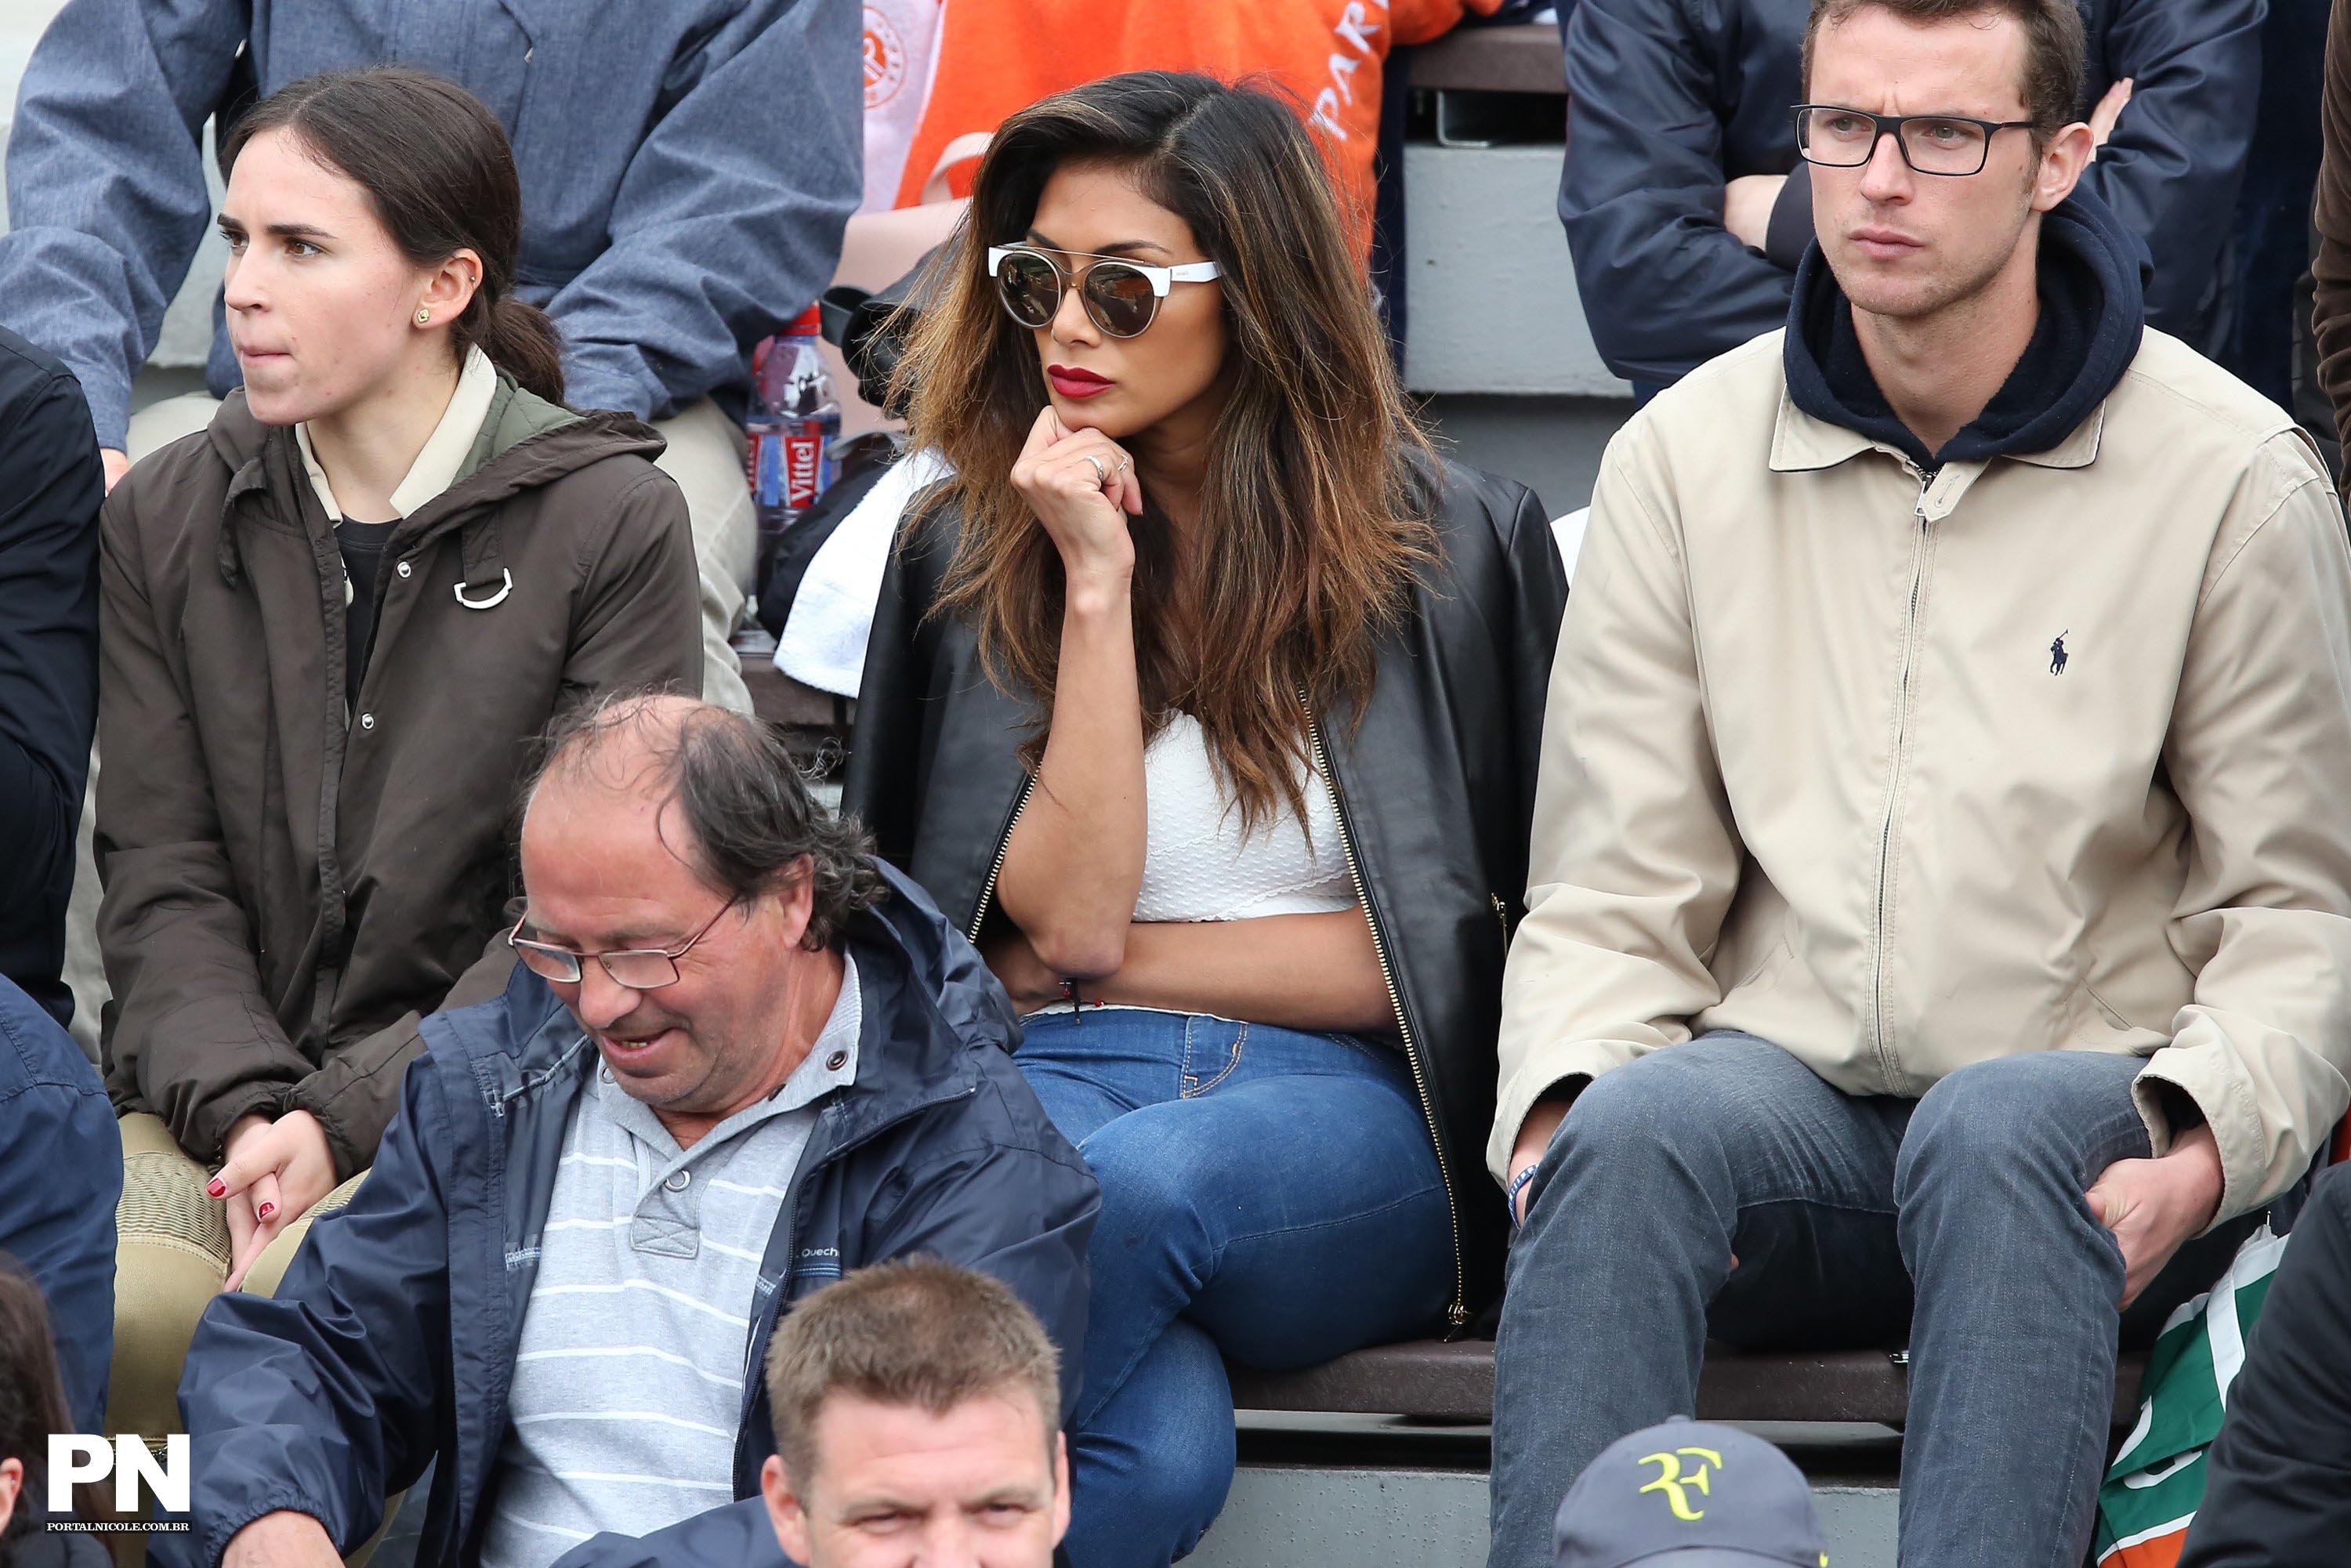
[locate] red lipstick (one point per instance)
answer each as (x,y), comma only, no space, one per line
(1072,383)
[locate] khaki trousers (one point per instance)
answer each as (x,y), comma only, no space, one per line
(171,1258)
(705,456)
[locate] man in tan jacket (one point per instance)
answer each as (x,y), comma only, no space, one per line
(1940,905)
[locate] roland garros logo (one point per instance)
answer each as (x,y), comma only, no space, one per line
(885,59)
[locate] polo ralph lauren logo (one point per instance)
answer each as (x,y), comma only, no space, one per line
(2057,654)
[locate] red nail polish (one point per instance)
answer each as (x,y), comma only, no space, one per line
(267,1209)
(217,1188)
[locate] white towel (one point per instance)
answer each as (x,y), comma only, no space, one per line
(823,645)
(1568,530)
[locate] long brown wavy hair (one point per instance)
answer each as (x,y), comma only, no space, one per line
(1314,513)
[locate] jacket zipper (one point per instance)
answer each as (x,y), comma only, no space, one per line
(1877,1006)
(996,866)
(788,1215)
(1457,1311)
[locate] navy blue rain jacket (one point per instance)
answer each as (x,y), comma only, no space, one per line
(1668,99)
(60,1178)
(391,1340)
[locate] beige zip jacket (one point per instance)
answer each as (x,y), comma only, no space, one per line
(2051,754)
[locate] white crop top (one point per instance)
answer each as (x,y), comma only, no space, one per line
(1196,865)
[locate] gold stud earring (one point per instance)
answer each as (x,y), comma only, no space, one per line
(424,318)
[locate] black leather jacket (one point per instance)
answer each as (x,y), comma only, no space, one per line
(1434,790)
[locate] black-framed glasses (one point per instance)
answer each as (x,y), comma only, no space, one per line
(1121,297)
(1839,138)
(638,968)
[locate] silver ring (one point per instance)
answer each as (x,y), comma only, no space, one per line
(1119,467)
(1102,475)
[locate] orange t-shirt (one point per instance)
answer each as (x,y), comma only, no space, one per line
(997,57)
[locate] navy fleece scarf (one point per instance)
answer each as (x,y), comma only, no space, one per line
(2092,309)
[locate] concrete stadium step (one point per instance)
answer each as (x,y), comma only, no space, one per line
(1433,1380)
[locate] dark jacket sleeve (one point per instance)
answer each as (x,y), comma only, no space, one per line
(2331,269)
(1539,601)
(880,785)
(2277,1488)
(58,1192)
(729,219)
(106,182)
(51,488)
(323,1398)
(353,1093)
(2171,169)
(1666,286)
(740,1534)
(191,1029)
(638,625)
(640,621)
(1021,1207)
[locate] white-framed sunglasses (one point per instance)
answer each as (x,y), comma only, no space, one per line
(1121,297)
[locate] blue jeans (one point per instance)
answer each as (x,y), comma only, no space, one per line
(1958,1219)
(1267,1196)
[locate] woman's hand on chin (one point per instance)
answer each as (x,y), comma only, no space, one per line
(1083,486)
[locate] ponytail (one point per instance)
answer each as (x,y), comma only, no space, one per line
(519,340)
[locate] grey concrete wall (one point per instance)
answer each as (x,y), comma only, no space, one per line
(1493,302)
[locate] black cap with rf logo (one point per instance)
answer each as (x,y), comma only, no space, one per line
(1689,1495)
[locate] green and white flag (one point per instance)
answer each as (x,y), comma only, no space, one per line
(2155,1482)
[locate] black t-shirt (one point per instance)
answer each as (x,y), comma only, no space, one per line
(362,546)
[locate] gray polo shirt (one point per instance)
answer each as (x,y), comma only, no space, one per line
(629,1380)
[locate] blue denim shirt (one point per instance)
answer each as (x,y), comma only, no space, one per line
(687,168)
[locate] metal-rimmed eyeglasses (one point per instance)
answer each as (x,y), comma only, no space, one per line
(1838,138)
(637,968)
(1121,297)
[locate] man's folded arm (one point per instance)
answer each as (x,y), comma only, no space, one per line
(1666,286)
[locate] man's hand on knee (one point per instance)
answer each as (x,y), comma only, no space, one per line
(282,1540)
(1535,1135)
(2154,1206)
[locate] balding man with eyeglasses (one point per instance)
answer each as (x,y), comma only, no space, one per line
(739,1057)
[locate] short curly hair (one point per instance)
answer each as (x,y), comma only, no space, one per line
(751,818)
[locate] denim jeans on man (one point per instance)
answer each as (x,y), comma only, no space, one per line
(1958,1219)
(1267,1196)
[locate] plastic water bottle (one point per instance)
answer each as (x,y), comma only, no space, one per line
(793,422)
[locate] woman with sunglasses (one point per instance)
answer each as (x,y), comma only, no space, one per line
(333,626)
(1207,699)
